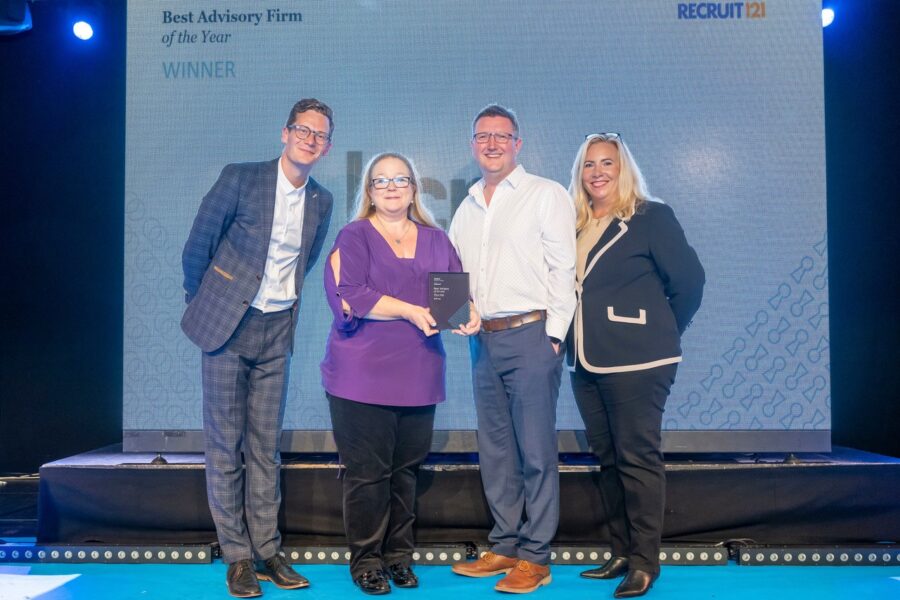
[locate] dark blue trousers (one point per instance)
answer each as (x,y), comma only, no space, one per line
(515,376)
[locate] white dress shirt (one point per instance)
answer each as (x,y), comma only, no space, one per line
(519,250)
(278,290)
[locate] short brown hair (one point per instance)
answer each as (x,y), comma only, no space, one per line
(495,110)
(312,104)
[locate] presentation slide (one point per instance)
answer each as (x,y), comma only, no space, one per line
(721,104)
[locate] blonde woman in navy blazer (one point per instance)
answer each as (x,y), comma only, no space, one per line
(639,284)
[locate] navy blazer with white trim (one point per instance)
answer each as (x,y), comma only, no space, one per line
(643,283)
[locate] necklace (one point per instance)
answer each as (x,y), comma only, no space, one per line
(394,239)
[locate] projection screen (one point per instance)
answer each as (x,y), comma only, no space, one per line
(720,102)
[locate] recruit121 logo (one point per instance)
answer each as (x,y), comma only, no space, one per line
(721,10)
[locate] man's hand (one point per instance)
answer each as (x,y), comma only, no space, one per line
(474,324)
(555,343)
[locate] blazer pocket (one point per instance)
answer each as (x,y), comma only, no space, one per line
(641,319)
(223,273)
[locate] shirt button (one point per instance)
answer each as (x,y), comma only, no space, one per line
(245,303)
(259,277)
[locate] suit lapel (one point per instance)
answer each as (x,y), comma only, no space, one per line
(613,234)
(312,216)
(268,179)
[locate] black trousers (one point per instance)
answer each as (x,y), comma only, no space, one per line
(622,414)
(381,448)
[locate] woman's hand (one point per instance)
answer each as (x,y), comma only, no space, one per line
(421,318)
(474,324)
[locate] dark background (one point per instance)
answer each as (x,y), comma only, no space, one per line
(62,162)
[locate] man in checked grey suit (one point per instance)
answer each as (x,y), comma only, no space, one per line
(258,232)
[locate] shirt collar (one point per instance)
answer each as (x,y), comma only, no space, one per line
(514,179)
(285,187)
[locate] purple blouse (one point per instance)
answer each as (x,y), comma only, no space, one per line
(384,362)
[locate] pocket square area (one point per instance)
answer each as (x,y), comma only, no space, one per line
(223,273)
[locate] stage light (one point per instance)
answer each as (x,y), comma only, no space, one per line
(668,555)
(811,556)
(83,30)
(105,554)
(827,16)
(15,17)
(431,555)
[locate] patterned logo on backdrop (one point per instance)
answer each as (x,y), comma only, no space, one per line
(161,384)
(774,375)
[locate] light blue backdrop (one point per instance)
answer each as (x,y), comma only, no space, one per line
(724,115)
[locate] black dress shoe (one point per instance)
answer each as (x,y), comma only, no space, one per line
(373,582)
(278,571)
(241,580)
(636,583)
(403,576)
(614,567)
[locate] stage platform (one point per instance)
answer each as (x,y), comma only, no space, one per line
(842,498)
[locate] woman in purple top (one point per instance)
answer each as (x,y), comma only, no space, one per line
(383,370)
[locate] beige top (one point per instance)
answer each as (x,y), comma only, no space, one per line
(587,239)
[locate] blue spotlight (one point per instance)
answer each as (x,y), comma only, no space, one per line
(83,30)
(827,16)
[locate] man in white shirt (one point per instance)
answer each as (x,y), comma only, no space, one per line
(515,235)
(258,231)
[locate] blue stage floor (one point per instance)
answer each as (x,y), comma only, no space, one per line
(191,582)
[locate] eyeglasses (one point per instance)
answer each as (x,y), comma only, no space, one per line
(500,138)
(400,181)
(302,132)
(610,135)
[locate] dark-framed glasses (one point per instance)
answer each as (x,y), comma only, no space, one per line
(500,138)
(400,181)
(302,132)
(604,136)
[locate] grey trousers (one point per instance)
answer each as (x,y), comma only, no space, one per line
(244,392)
(515,376)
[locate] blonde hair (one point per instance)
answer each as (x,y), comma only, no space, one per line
(417,211)
(631,191)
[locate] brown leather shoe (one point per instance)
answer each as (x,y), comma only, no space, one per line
(524,578)
(488,565)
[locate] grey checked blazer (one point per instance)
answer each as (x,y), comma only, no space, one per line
(225,253)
